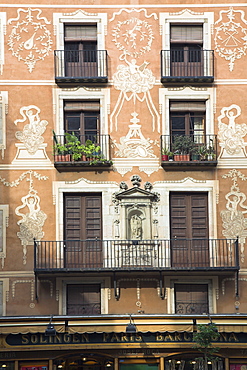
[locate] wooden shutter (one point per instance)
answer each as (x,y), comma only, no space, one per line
(83,299)
(191,298)
(189,229)
(82,217)
(187,106)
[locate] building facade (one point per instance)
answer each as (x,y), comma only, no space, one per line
(122,183)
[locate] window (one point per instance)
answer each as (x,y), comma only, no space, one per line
(191,298)
(82,230)
(83,299)
(188,118)
(82,118)
(189,229)
(80,47)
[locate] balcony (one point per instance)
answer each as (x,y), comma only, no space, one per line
(81,66)
(133,255)
(190,152)
(82,152)
(181,66)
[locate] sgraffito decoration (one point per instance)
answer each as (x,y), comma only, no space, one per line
(31,136)
(231,35)
(133,37)
(230,133)
(134,144)
(234,222)
(32,217)
(30,39)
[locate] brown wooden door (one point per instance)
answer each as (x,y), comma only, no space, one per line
(83,230)
(189,229)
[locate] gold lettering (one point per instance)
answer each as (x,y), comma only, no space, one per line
(24,339)
(124,338)
(67,338)
(42,339)
(84,337)
(187,337)
(223,337)
(233,338)
(34,339)
(159,337)
(58,338)
(75,338)
(115,338)
(138,338)
(178,337)
(105,337)
(169,338)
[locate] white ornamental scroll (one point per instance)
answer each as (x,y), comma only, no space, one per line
(231,35)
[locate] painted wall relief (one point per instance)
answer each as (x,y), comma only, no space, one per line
(133,36)
(31,136)
(233,220)
(30,39)
(231,35)
(230,133)
(32,217)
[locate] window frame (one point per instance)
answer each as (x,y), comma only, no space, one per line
(213,288)
(62,283)
(3,123)
(5,223)
(187,94)
(176,291)
(4,293)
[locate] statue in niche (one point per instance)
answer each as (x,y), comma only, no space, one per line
(136,227)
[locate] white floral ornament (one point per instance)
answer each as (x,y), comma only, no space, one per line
(30,40)
(133,36)
(231,35)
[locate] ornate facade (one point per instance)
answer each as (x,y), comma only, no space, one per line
(123,168)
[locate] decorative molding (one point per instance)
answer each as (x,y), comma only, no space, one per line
(231,134)
(33,220)
(32,147)
(32,289)
(3,113)
(30,39)
(138,290)
(185,179)
(230,279)
(233,221)
(51,285)
(134,144)
(133,10)
(231,35)
(2,43)
(134,82)
(186,12)
(4,223)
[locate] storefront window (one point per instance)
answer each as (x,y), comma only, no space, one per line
(146,364)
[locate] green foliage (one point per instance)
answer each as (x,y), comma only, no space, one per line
(183,144)
(203,339)
(74,146)
(166,151)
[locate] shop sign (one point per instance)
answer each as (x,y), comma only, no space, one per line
(39,339)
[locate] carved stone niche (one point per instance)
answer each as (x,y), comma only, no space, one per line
(136,214)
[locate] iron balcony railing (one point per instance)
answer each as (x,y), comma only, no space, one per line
(194,147)
(97,149)
(174,254)
(190,65)
(81,65)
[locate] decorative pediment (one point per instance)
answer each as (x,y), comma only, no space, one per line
(134,208)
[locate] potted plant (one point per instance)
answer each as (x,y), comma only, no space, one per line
(182,146)
(60,151)
(166,154)
(92,151)
(202,151)
(195,155)
(74,146)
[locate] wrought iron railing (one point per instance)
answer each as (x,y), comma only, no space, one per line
(81,64)
(96,149)
(197,147)
(187,64)
(173,254)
